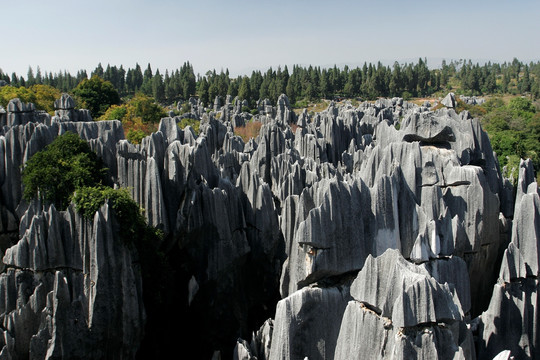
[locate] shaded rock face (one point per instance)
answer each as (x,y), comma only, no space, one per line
(511,321)
(70,289)
(356,237)
(19,113)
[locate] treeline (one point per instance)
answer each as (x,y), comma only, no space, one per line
(305,83)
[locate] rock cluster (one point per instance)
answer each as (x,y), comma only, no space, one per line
(472,100)
(357,236)
(65,110)
(19,113)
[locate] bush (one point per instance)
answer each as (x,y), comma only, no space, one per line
(511,167)
(514,130)
(139,117)
(65,165)
(135,136)
(89,199)
(45,97)
(191,122)
(301,104)
(406,95)
(145,107)
(115,112)
(185,108)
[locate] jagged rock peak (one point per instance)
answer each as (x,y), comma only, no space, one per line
(66,102)
(449,100)
(17,106)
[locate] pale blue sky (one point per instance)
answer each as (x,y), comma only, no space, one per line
(246,35)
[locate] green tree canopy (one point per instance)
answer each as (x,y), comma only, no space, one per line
(139,116)
(244,92)
(43,96)
(96,95)
(10,92)
(65,165)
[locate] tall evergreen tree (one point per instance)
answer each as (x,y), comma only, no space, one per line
(244,92)
(30,80)
(98,71)
(158,88)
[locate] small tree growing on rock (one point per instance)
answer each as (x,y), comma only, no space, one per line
(65,165)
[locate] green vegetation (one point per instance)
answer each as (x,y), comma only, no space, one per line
(185,108)
(514,130)
(368,82)
(65,165)
(140,116)
(43,96)
(191,122)
(89,199)
(96,95)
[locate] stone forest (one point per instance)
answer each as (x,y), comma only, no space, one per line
(380,230)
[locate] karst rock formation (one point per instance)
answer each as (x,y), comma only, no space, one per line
(383,230)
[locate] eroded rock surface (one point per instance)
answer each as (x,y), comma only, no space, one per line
(355,235)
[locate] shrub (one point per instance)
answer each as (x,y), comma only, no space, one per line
(146,108)
(185,108)
(406,95)
(139,117)
(89,199)
(191,122)
(115,112)
(45,97)
(135,136)
(301,104)
(65,165)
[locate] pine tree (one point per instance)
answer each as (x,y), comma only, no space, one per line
(233,88)
(525,82)
(202,91)
(137,77)
(146,87)
(14,80)
(324,85)
(39,79)
(98,71)
(244,92)
(30,80)
(158,88)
